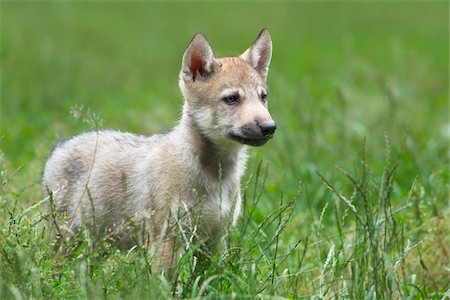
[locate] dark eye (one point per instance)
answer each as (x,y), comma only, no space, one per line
(264,97)
(230,100)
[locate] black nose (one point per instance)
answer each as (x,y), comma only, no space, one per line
(268,128)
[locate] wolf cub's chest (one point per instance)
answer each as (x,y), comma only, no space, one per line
(211,199)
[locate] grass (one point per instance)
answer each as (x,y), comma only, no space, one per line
(349,200)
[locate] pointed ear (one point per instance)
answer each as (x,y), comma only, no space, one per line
(198,59)
(259,54)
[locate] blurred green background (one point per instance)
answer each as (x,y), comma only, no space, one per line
(341,73)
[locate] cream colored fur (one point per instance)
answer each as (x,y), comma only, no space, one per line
(187,180)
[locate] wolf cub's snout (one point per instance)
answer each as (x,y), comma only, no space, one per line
(186,180)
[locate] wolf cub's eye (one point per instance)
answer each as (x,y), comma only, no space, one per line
(232,99)
(264,97)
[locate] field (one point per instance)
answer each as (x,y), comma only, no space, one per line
(350,200)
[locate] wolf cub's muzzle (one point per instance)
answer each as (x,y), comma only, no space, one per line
(255,134)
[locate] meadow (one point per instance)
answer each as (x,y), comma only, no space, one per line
(350,200)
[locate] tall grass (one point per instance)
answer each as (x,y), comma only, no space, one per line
(368,256)
(349,200)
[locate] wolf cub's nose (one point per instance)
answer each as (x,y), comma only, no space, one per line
(268,128)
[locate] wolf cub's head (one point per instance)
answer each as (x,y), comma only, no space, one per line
(226,98)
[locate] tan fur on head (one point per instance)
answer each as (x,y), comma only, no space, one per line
(205,81)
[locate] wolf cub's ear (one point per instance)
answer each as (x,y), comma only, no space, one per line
(259,54)
(198,59)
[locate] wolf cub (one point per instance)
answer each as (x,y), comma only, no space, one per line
(188,179)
